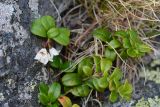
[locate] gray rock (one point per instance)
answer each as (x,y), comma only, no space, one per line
(19,73)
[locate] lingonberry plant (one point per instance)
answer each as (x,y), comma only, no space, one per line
(45,27)
(94,72)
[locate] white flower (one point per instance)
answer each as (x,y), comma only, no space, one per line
(44,57)
(53,52)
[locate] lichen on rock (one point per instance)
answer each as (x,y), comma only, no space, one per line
(150,102)
(20,74)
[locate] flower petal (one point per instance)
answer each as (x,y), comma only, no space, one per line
(53,52)
(43,56)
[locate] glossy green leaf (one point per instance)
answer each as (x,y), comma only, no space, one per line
(121,33)
(65,65)
(102,34)
(66,89)
(112,85)
(113,96)
(65,101)
(133,36)
(117,83)
(87,71)
(89,82)
(43,99)
(125,90)
(97,63)
(114,44)
(80,91)
(134,52)
(57,62)
(75,105)
(105,64)
(110,54)
(85,62)
(71,67)
(100,84)
(43,88)
(96,86)
(56,104)
(71,79)
(52,33)
(54,91)
(63,37)
(124,54)
(38,29)
(117,74)
(47,22)
(126,43)
(143,48)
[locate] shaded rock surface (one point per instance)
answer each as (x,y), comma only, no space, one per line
(19,73)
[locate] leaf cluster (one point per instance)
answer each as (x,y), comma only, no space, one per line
(50,96)
(45,27)
(127,43)
(92,73)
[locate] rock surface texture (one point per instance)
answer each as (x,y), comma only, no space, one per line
(19,72)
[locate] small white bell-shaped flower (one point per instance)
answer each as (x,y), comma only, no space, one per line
(53,52)
(44,57)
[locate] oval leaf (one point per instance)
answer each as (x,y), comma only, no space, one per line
(114,44)
(80,91)
(121,33)
(125,90)
(134,53)
(85,62)
(71,79)
(65,101)
(57,62)
(102,34)
(117,74)
(52,33)
(143,48)
(133,37)
(105,65)
(43,88)
(38,29)
(96,85)
(56,104)
(110,54)
(112,85)
(126,43)
(103,83)
(97,63)
(54,91)
(75,105)
(113,96)
(47,22)
(43,99)
(63,37)
(87,71)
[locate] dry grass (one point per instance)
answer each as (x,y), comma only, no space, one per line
(141,15)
